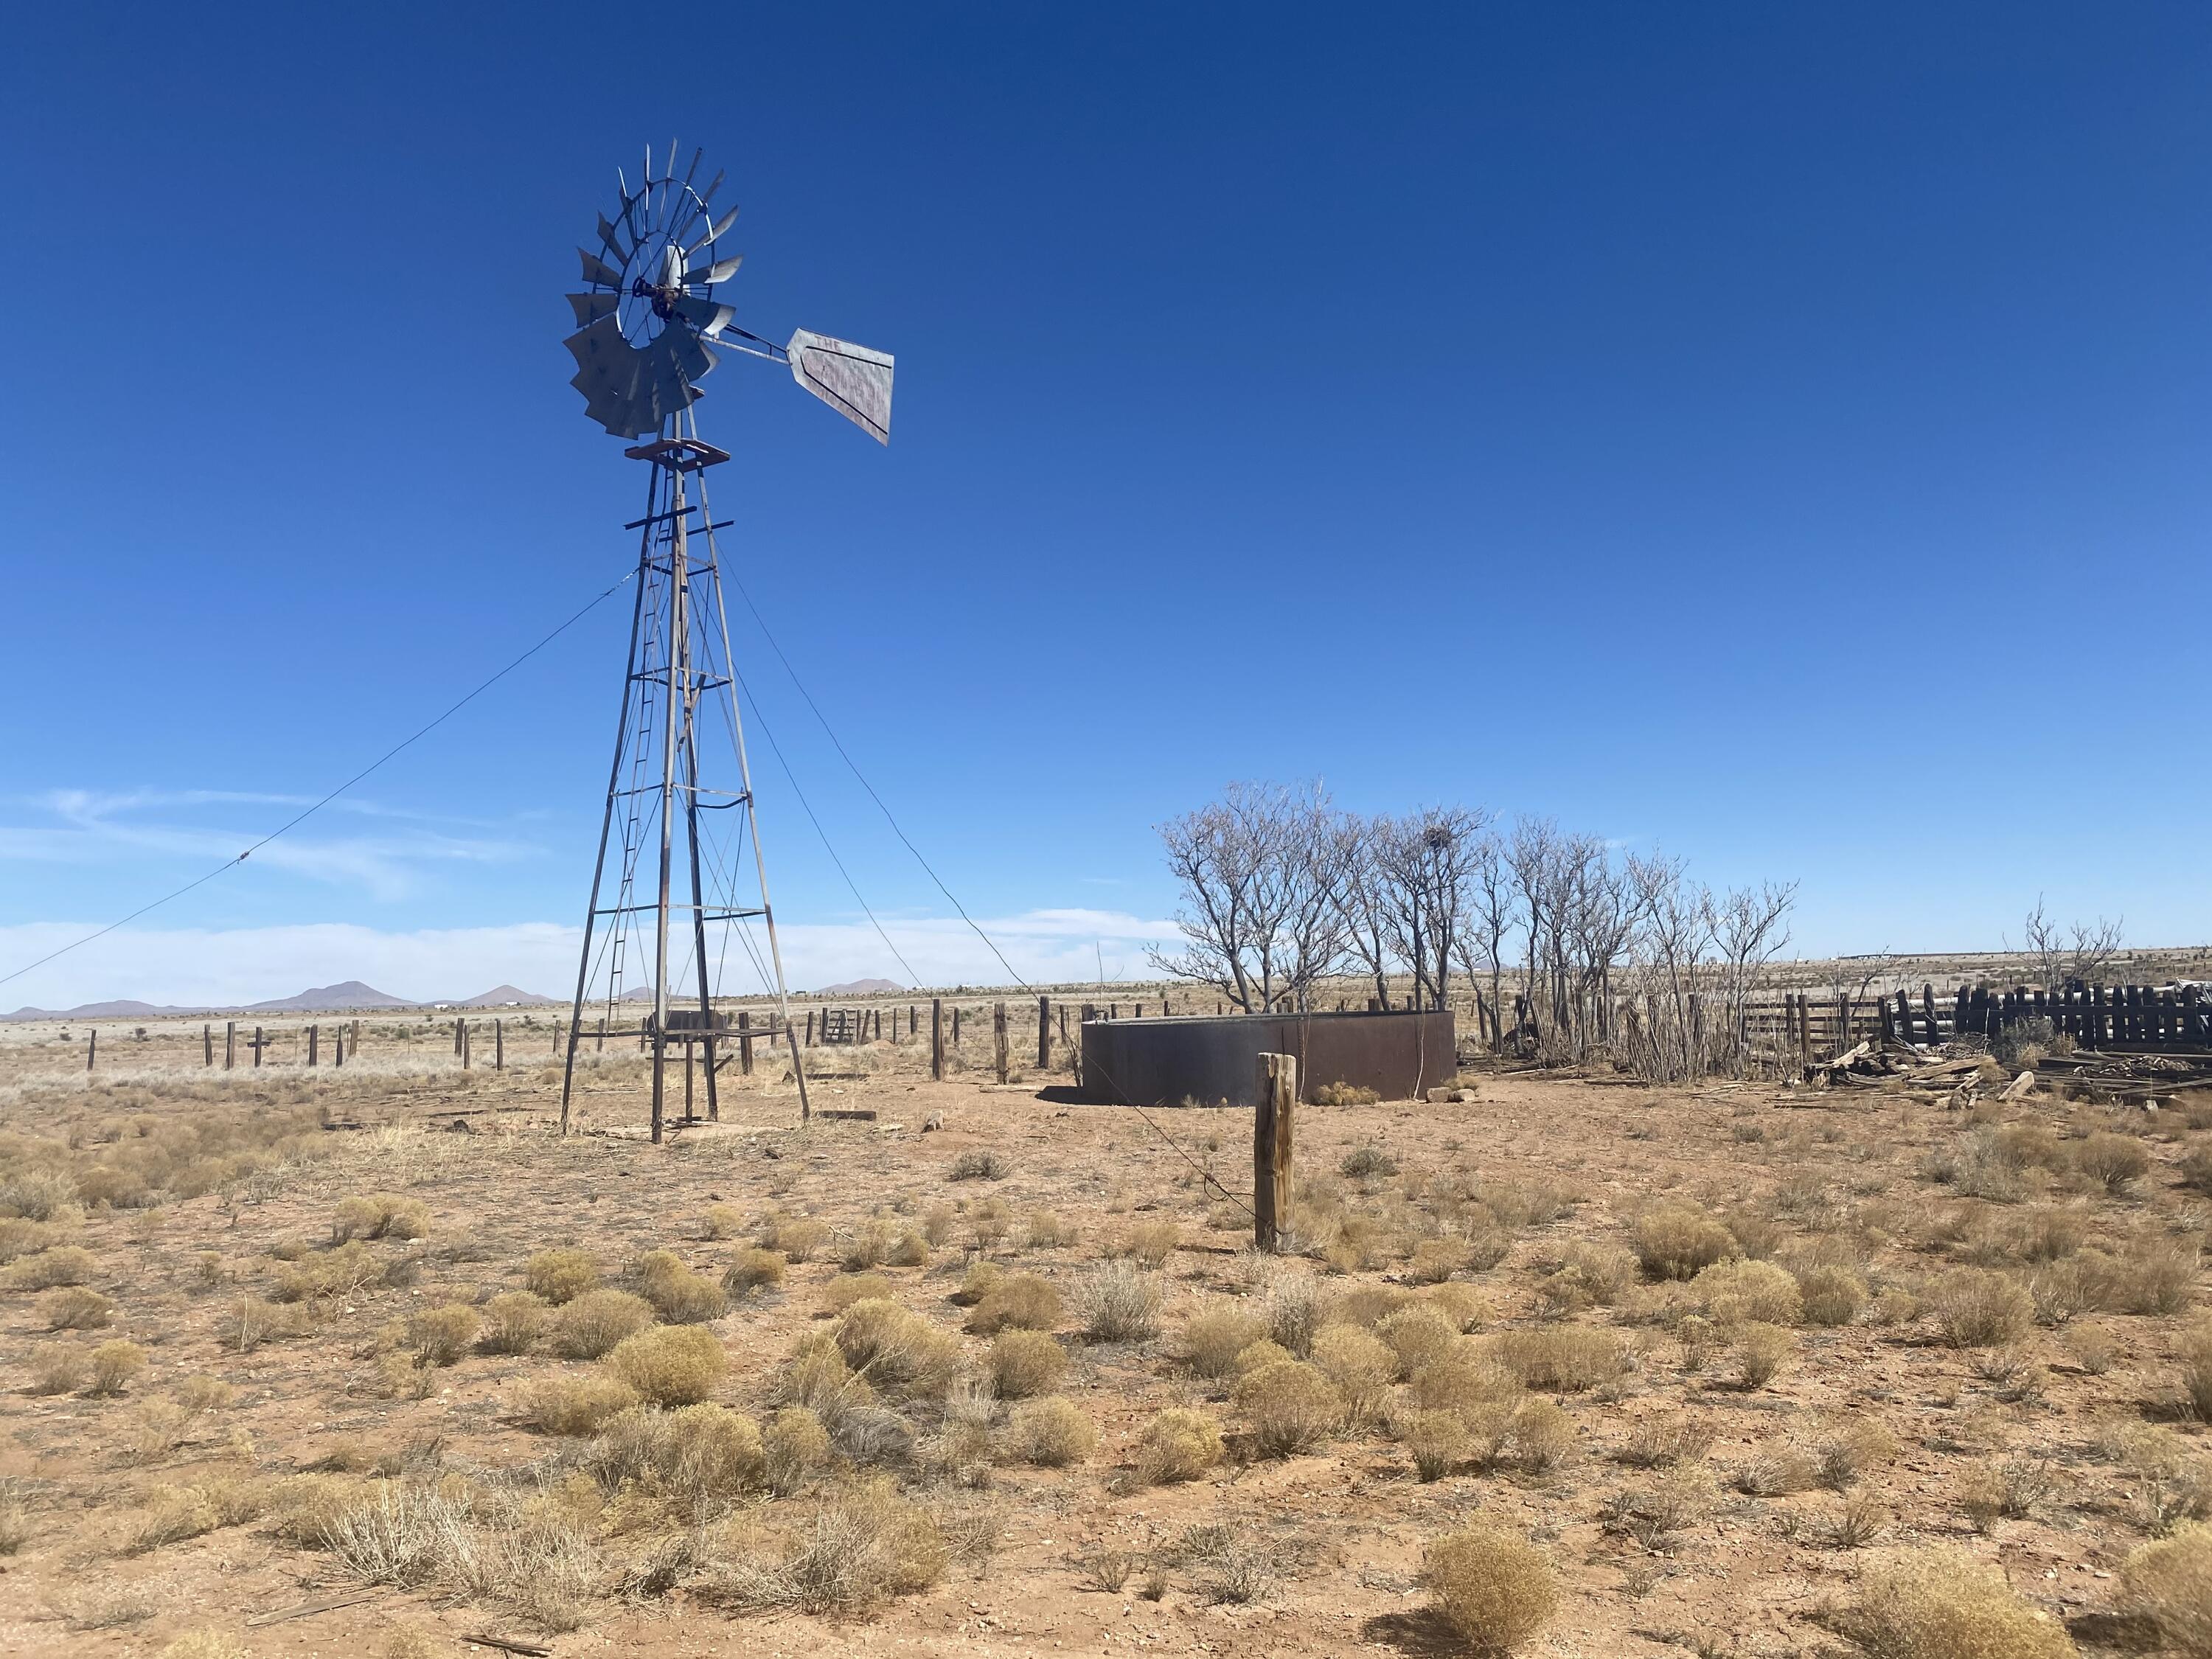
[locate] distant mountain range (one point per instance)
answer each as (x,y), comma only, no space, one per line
(861,987)
(346,995)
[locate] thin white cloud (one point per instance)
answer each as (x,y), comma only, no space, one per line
(227,968)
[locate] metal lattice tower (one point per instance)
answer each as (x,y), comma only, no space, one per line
(647,328)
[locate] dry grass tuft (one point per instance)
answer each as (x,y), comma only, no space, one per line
(591,1324)
(752,1270)
(380,1215)
(64,1264)
(670,1364)
(980,1164)
(562,1276)
(204,1644)
(898,1348)
(1217,1334)
(1362,1367)
(1937,1604)
(678,1294)
(1757,1352)
(861,1546)
(794,1448)
(2168,1585)
(1120,1302)
(111,1366)
(1178,1445)
(1022,1301)
(574,1405)
(440,1336)
(1052,1432)
(1730,1293)
(1023,1363)
(512,1321)
(1832,1296)
(2114,1163)
(1976,1308)
(1674,1240)
(1496,1590)
(1292,1407)
(74,1308)
(1565,1358)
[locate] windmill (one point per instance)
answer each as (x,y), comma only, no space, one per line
(648,328)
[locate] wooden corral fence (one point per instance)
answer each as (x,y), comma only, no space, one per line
(2122,1018)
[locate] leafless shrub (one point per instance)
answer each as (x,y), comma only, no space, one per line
(1119,1302)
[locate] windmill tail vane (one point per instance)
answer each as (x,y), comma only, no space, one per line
(674,847)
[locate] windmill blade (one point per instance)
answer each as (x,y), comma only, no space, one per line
(610,240)
(719,271)
(708,194)
(715,231)
(598,271)
(590,307)
(705,315)
(851,379)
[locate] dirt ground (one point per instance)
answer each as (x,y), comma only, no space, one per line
(1688,1506)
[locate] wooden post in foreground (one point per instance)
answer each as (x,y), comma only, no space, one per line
(314,1044)
(258,1045)
(207,1044)
(337,1047)
(1276,1087)
(1044,1033)
(745,1042)
(91,1048)
(499,1045)
(464,1045)
(936,1039)
(999,1039)
(229,1043)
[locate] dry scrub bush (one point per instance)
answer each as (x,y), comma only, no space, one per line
(1653,1512)
(1467,1308)
(349,1268)
(37,1194)
(1120,1302)
(1290,1299)
(74,1308)
(1730,1293)
(1564,1358)
(2113,1161)
(64,1264)
(670,1364)
(2196,1371)
(440,1336)
(2169,1585)
(1149,1244)
(1975,1308)
(1361,1366)
(513,1320)
(1847,1454)
(1051,1433)
(880,1239)
(1020,1300)
(1679,1241)
(560,1276)
(1344,1094)
(1938,1604)
(574,1405)
(753,1269)
(1023,1363)
(177,1513)
(979,1164)
(1662,1442)
(719,1222)
(1291,1405)
(1832,1296)
(111,1366)
(1435,1260)
(797,1237)
(794,1448)
(976,1283)
(1756,1352)
(678,1293)
(57,1368)
(380,1215)
(2007,1489)
(1496,1590)
(896,1348)
(1775,1474)
(1262,1352)
(702,1455)
(250,1321)
(589,1326)
(1438,1442)
(861,1545)
(1216,1335)
(1178,1445)
(842,1292)
(2159,1277)
(1585,1275)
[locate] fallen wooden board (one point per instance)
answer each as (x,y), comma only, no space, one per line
(306,1609)
(511,1644)
(854,1113)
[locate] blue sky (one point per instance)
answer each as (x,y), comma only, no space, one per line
(1773,434)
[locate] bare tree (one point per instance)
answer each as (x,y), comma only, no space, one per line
(1259,877)
(2076,955)
(1424,868)
(1361,905)
(1750,927)
(1491,911)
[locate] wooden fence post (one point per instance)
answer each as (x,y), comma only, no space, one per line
(337,1047)
(499,1045)
(464,1045)
(955,1027)
(1044,1033)
(744,1042)
(936,1039)
(810,1028)
(1000,1054)
(207,1044)
(91,1048)
(256,1048)
(314,1044)
(229,1044)
(356,1035)
(1804,1035)
(1276,1087)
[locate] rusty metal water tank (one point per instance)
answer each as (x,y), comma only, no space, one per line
(1210,1060)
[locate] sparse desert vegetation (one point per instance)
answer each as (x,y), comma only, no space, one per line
(1721,1367)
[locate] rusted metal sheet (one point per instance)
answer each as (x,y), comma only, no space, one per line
(1209,1061)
